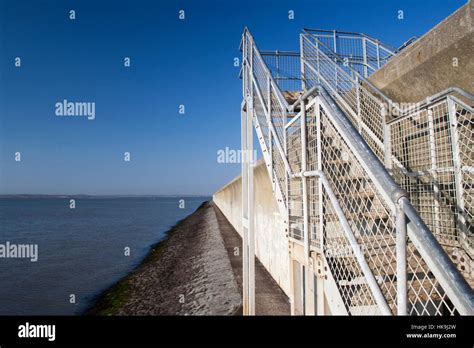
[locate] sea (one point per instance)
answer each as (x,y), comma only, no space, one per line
(81,251)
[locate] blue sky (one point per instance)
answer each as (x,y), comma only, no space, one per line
(173,62)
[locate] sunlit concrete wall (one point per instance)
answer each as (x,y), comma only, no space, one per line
(271,242)
(441,58)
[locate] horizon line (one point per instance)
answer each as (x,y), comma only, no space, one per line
(103,195)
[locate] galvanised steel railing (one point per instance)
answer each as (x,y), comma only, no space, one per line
(335,193)
(427,146)
(285,68)
(357,50)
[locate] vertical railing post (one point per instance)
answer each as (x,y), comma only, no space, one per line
(245,255)
(243,133)
(387,138)
(434,170)
(277,64)
(378,55)
(285,149)
(318,62)
(303,84)
(251,219)
(304,180)
(359,119)
(251,224)
(457,167)
(335,57)
(401,250)
(304,188)
(364,53)
(270,135)
(320,281)
(248,223)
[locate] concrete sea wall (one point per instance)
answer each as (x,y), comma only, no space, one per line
(271,243)
(439,59)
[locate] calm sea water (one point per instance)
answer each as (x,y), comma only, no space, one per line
(80,251)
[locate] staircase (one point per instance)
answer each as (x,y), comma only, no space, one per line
(378,197)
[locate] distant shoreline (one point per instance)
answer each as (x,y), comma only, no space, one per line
(83,196)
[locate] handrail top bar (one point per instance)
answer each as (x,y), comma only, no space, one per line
(313,90)
(279,53)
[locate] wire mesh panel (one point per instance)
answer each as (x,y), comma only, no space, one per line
(425,157)
(278,117)
(257,79)
(285,69)
(373,224)
(422,149)
(424,167)
(293,145)
(345,269)
(295,209)
(369,217)
(464,129)
(295,190)
(279,170)
(262,119)
(363,53)
(425,295)
(431,158)
(260,75)
(315,207)
(361,106)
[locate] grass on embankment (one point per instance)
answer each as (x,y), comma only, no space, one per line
(112,299)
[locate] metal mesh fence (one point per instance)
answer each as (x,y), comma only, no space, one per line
(363,109)
(420,144)
(285,69)
(363,53)
(431,154)
(370,218)
(433,162)
(373,224)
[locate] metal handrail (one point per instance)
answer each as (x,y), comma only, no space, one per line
(280,97)
(452,282)
(374,40)
(403,113)
(463,303)
(371,281)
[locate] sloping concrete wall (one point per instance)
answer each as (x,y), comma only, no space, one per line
(427,66)
(271,243)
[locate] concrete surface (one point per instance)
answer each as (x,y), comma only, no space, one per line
(189,273)
(269,297)
(426,66)
(271,243)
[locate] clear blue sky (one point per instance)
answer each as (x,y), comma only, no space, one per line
(174,62)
